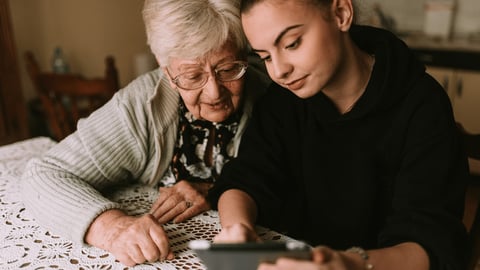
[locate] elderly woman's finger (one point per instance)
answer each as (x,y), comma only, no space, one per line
(173,211)
(136,254)
(163,195)
(171,201)
(192,211)
(160,239)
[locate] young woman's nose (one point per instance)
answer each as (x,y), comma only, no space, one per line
(280,68)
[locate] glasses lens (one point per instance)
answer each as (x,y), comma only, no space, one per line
(231,71)
(196,79)
(191,80)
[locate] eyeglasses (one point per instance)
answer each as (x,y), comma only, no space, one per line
(196,79)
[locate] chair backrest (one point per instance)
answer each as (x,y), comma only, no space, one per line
(68,97)
(472,212)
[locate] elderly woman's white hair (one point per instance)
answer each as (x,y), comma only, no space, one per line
(190,29)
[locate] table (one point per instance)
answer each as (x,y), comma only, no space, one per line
(24,244)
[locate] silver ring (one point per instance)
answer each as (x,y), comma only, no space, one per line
(188,204)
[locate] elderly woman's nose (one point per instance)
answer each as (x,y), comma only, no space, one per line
(213,88)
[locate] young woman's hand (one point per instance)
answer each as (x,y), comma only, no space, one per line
(322,258)
(236,233)
(180,201)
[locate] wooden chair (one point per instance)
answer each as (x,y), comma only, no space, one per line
(472,201)
(68,97)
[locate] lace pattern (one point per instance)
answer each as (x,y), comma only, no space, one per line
(26,245)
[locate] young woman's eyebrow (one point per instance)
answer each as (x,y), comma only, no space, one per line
(280,36)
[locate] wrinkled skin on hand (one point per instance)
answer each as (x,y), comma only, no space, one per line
(181,201)
(131,240)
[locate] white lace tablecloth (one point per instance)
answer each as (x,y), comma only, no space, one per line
(24,244)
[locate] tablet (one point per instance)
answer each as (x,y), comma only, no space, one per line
(246,256)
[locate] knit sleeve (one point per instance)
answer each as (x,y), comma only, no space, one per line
(63,189)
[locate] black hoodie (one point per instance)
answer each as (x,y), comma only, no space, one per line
(389,171)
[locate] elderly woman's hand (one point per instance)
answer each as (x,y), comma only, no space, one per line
(181,201)
(131,240)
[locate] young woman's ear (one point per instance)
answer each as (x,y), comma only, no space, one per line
(343,12)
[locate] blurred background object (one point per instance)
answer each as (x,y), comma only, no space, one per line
(144,62)
(438,18)
(13,116)
(90,29)
(380,19)
(59,63)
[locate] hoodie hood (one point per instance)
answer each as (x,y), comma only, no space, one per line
(394,74)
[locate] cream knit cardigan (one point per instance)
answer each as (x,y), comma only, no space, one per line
(128,140)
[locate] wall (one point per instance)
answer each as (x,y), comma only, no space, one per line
(409,15)
(87,31)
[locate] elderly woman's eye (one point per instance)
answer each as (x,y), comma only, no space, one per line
(229,68)
(192,76)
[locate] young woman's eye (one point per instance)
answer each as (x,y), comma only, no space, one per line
(293,45)
(265,58)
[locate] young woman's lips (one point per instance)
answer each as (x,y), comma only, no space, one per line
(295,85)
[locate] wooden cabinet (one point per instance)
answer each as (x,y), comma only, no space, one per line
(463,88)
(13,120)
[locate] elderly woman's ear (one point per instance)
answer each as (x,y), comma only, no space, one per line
(167,74)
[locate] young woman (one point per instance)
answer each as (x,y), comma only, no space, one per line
(354,146)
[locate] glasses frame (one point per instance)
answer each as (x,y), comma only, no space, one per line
(243,64)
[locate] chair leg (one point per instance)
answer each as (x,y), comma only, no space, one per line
(472,221)
(475,244)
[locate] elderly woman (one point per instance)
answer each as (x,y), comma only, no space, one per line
(174,127)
